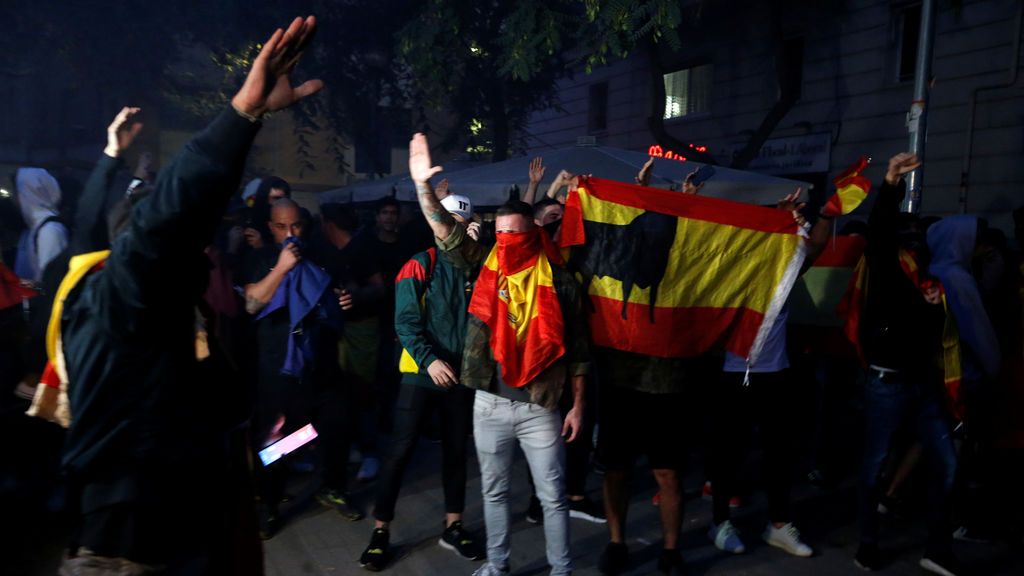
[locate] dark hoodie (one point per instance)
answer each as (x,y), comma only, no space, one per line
(951,242)
(900,330)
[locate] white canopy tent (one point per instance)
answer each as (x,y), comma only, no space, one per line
(489,184)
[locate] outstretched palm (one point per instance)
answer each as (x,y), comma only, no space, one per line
(268,87)
(420,165)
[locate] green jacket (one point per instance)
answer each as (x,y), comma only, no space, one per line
(478,364)
(431,302)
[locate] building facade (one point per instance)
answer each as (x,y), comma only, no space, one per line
(803,89)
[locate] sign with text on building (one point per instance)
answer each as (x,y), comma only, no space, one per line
(789,155)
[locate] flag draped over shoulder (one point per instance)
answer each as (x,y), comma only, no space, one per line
(675,275)
(515,297)
(851,190)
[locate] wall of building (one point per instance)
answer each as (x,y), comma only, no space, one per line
(849,90)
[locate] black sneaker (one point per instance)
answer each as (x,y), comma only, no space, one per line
(535,512)
(943,563)
(375,557)
(671,561)
(269,521)
(340,502)
(867,558)
(588,510)
(456,539)
(613,559)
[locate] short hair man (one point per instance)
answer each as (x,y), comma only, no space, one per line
(522,284)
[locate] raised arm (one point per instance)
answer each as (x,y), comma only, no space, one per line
(564,178)
(89,233)
(536,174)
(173,226)
(643,178)
(421,169)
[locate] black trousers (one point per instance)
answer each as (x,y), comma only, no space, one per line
(768,402)
(412,408)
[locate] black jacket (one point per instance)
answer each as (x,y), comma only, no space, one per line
(148,419)
(900,330)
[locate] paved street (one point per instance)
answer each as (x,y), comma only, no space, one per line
(319,542)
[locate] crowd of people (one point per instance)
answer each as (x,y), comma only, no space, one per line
(196,340)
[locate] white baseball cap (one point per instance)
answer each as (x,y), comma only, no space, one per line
(459,205)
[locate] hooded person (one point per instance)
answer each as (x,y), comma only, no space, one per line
(951,242)
(46,236)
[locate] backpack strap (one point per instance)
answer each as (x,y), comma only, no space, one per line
(47,220)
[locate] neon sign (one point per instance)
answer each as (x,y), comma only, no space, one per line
(659,152)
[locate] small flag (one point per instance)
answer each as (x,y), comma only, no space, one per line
(851,190)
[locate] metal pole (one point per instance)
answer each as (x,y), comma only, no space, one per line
(917,124)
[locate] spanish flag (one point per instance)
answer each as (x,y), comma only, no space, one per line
(851,190)
(815,325)
(515,297)
(676,275)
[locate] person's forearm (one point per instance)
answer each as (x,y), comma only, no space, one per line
(554,188)
(578,387)
(258,295)
(440,220)
(531,193)
(89,232)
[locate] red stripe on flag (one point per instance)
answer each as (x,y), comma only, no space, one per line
(690,206)
(638,334)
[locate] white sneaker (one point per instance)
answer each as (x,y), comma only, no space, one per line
(368,471)
(788,539)
(726,538)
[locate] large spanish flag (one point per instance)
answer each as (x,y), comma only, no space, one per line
(676,275)
(515,297)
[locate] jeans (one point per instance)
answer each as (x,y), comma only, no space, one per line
(890,401)
(415,404)
(497,424)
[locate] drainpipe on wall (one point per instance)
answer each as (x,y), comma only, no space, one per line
(917,124)
(965,172)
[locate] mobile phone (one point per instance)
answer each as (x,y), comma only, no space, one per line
(288,444)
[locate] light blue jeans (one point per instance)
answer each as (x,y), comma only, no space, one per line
(497,424)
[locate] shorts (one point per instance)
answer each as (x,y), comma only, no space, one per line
(633,423)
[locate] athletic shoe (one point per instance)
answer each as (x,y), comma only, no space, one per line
(787,538)
(339,501)
(489,569)
(707,494)
(535,512)
(456,539)
(943,563)
(614,559)
(867,558)
(726,538)
(375,557)
(671,561)
(588,510)
(269,521)
(368,470)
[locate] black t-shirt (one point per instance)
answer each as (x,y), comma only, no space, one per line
(352,266)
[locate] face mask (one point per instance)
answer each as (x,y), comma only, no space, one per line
(552,228)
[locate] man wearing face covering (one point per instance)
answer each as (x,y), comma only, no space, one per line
(525,339)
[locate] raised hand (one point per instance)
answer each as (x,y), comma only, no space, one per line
(420,167)
(536,170)
(899,165)
(268,87)
(122,131)
(792,201)
(643,178)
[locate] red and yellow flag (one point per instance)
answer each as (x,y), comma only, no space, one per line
(11,291)
(515,297)
(675,275)
(851,190)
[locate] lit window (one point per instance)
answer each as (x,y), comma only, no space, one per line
(688,91)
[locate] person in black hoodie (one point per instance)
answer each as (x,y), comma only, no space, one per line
(901,335)
(151,448)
